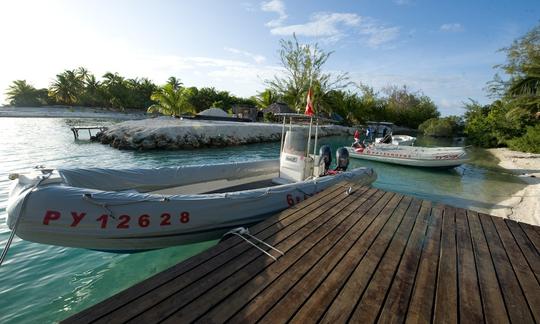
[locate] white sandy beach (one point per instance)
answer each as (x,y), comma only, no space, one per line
(70,112)
(524,205)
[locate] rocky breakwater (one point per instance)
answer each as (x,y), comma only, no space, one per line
(174,134)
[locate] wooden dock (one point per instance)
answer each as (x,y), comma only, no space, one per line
(369,256)
(76,129)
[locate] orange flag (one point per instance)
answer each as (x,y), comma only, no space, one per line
(309,105)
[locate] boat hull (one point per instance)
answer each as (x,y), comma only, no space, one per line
(412,156)
(59,214)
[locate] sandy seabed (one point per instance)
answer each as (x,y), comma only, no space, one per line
(524,205)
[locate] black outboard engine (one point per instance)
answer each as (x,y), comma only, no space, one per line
(342,159)
(325,154)
(387,139)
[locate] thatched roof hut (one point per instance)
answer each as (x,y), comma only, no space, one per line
(214,112)
(278,107)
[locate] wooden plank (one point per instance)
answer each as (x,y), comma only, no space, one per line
(373,299)
(135,298)
(493,305)
(527,280)
(395,307)
(321,298)
(526,246)
(446,295)
(532,234)
(263,292)
(470,303)
(352,288)
(292,301)
(423,295)
(237,272)
(515,301)
(323,235)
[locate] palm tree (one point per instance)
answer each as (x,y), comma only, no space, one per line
(527,88)
(82,73)
(116,90)
(67,88)
(20,93)
(171,101)
(175,83)
(265,98)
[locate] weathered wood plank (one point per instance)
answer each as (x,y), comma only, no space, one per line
(397,301)
(238,289)
(515,301)
(289,305)
(262,297)
(145,294)
(526,246)
(368,257)
(533,234)
(490,291)
(240,270)
(529,284)
(423,295)
(446,295)
(470,304)
(373,298)
(317,303)
(351,289)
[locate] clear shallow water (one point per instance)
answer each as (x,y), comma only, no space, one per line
(41,283)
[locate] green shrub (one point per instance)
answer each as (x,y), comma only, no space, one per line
(441,127)
(530,142)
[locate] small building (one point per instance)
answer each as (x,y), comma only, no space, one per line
(246,112)
(278,107)
(213,112)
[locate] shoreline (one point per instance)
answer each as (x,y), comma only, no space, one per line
(70,112)
(524,205)
(177,134)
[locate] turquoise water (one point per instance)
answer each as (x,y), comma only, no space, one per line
(41,283)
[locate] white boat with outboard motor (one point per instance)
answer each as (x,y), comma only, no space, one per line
(126,210)
(430,157)
(405,140)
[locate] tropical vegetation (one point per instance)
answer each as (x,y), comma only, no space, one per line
(513,118)
(303,65)
(442,127)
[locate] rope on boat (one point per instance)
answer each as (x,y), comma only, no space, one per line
(241,231)
(16,225)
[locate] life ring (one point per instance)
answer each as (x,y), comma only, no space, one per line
(359,149)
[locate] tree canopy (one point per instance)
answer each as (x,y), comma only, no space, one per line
(513,118)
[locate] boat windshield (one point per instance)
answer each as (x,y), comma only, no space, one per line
(295,143)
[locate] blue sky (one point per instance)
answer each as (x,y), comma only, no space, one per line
(447,49)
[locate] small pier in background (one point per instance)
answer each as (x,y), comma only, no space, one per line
(76,129)
(361,256)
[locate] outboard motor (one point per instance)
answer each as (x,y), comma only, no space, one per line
(342,159)
(387,139)
(325,154)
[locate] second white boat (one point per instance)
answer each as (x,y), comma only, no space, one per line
(431,157)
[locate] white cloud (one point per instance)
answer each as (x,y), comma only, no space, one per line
(255,57)
(452,27)
(377,34)
(335,26)
(321,24)
(278,7)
